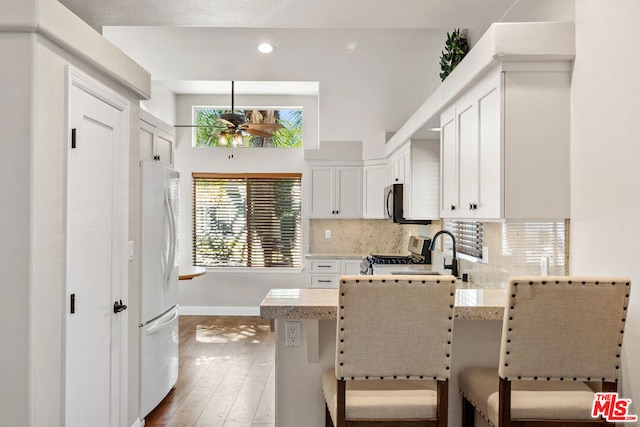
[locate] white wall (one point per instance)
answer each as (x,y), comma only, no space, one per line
(540,10)
(605,150)
(162,103)
(232,291)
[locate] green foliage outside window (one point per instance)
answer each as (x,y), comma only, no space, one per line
(290,136)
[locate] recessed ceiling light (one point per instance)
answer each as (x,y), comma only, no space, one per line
(266,48)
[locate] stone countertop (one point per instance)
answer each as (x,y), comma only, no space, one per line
(470,303)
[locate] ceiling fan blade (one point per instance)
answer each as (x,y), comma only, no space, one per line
(258,133)
(265,126)
(226,122)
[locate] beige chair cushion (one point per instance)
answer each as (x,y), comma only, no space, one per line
(529,399)
(382,398)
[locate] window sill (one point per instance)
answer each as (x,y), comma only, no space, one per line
(259,270)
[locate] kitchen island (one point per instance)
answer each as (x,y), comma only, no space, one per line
(298,369)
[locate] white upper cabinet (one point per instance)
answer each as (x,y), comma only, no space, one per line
(336,191)
(504,120)
(375,178)
(156,140)
(416,166)
(505,147)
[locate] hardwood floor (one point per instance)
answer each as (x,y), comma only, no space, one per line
(226,375)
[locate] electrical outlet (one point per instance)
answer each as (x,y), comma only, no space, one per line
(327,234)
(485,255)
(293,334)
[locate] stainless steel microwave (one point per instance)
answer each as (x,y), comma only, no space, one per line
(394,206)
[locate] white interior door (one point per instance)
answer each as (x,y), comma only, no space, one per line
(96,225)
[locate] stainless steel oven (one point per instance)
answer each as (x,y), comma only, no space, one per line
(419,254)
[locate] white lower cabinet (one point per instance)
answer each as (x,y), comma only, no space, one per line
(325,272)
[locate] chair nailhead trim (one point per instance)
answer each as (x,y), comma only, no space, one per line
(341,350)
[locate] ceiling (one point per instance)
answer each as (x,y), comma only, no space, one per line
(370,62)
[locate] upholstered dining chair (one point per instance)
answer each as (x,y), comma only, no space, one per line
(561,340)
(393,352)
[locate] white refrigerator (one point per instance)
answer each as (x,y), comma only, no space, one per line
(159,284)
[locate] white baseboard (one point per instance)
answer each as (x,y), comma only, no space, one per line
(195,310)
(138,423)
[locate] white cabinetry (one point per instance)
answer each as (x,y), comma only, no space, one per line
(416,166)
(336,191)
(505,148)
(376,178)
(325,272)
(156,139)
(397,166)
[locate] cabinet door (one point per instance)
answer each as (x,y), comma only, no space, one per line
(322,184)
(324,281)
(396,169)
(422,183)
(375,180)
(163,148)
(468,151)
(349,192)
(448,165)
(155,144)
(146,141)
(490,187)
(351,267)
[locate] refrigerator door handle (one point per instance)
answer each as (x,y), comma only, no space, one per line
(155,328)
(172,235)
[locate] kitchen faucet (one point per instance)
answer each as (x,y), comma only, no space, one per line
(454,262)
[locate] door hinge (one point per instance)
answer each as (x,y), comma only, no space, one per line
(72,303)
(73,138)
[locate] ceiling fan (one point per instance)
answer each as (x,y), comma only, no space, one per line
(231,126)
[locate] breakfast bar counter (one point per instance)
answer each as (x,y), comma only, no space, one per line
(299,368)
(322,304)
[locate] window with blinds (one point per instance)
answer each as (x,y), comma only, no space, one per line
(527,243)
(469,237)
(247,220)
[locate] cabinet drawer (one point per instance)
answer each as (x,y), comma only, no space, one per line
(325,266)
(324,281)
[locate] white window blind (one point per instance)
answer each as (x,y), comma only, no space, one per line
(528,242)
(469,236)
(247,220)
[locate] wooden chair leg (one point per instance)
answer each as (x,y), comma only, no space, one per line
(504,403)
(341,404)
(468,413)
(443,403)
(609,387)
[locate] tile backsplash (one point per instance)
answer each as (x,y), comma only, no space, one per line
(363,237)
(503,261)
